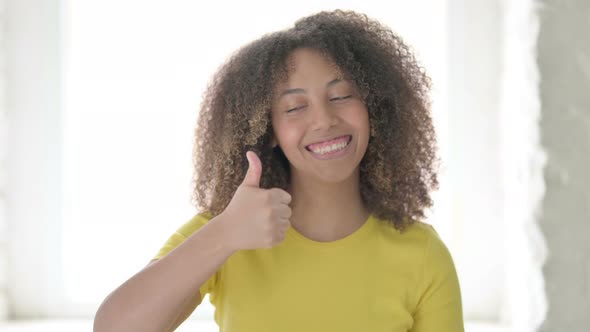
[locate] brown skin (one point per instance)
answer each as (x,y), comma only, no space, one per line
(162,295)
(327,204)
(399,168)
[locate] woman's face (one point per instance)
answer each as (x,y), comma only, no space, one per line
(319,119)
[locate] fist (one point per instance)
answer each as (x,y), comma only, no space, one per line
(256,217)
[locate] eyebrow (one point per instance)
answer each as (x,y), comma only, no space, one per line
(299,90)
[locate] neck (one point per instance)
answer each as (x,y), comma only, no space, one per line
(326,211)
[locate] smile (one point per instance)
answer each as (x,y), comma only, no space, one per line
(330,149)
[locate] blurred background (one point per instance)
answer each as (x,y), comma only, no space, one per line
(98,101)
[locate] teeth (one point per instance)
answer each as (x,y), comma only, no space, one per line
(330,148)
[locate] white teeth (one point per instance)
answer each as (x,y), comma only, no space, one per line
(330,148)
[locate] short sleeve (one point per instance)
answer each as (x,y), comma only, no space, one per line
(186,230)
(439,306)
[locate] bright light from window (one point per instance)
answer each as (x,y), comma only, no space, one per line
(134,74)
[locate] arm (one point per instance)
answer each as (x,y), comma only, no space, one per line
(166,291)
(439,306)
(186,311)
(187,308)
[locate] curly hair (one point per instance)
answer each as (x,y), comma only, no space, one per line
(400,166)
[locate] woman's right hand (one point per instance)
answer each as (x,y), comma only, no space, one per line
(256,217)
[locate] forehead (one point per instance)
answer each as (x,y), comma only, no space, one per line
(307,64)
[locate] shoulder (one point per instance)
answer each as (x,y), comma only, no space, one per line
(192,225)
(419,242)
(434,250)
(417,234)
(437,296)
(435,263)
(420,229)
(183,232)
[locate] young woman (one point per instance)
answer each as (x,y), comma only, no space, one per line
(315,157)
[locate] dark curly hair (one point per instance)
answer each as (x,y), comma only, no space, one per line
(400,166)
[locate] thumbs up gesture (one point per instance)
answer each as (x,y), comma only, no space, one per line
(256,217)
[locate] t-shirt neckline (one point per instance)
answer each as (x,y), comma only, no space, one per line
(355,236)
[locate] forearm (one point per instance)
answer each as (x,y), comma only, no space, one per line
(151,299)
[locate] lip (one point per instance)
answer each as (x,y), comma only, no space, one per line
(335,154)
(327,140)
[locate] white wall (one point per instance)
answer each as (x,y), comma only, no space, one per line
(33,112)
(34,155)
(474,145)
(3,148)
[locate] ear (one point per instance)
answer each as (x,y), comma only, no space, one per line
(273,142)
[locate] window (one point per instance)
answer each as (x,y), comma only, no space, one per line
(130,106)
(120,129)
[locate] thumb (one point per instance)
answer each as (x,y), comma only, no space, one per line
(252,178)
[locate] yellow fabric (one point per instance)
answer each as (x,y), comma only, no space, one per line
(376,279)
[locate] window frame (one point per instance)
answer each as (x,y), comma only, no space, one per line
(34,29)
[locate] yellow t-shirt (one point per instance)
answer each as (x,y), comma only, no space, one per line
(375,279)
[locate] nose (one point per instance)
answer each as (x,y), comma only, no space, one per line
(323,117)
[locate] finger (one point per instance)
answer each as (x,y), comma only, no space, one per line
(282,196)
(284,223)
(252,178)
(284,212)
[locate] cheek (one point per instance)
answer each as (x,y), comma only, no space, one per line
(359,118)
(292,137)
(288,135)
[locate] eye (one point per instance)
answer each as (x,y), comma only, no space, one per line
(295,109)
(340,98)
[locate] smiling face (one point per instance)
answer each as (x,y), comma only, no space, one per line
(319,119)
